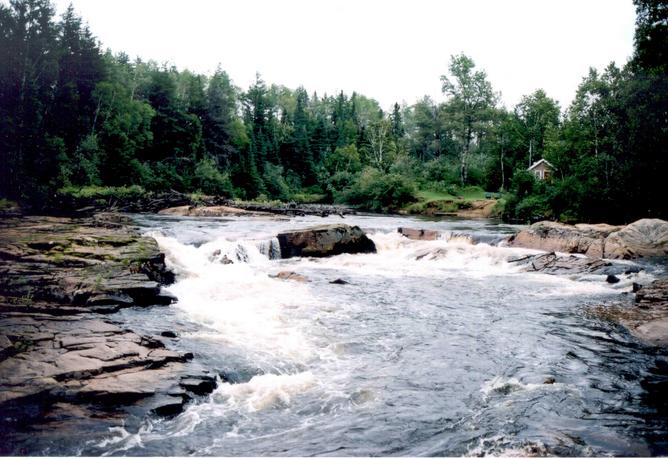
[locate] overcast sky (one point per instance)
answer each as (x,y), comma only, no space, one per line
(385,49)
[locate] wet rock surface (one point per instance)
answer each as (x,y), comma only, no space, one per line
(324,240)
(647,317)
(290,275)
(419,234)
(558,237)
(64,361)
(643,238)
(552,263)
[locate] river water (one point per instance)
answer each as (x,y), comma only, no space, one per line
(431,348)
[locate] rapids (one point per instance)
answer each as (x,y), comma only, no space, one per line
(432,348)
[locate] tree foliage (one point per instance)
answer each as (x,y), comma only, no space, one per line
(74,116)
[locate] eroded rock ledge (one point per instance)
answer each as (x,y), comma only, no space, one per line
(643,238)
(647,317)
(62,356)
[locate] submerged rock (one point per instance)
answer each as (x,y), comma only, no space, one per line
(647,317)
(324,241)
(199,384)
(291,275)
(551,263)
(643,238)
(612,279)
(340,282)
(419,234)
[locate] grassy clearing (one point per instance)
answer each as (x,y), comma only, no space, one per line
(452,200)
(469,193)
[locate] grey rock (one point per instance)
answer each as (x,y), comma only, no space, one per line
(199,385)
(324,240)
(643,238)
(419,234)
(551,263)
(340,282)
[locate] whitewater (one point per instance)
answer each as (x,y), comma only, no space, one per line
(429,348)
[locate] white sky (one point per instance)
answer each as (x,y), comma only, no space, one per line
(385,49)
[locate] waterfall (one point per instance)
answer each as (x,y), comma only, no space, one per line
(270,248)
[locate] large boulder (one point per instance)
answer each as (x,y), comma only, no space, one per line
(558,237)
(644,238)
(324,241)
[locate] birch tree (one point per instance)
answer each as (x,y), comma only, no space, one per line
(471,105)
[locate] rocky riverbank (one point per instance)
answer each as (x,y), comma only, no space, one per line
(646,317)
(643,238)
(579,250)
(64,361)
(183,204)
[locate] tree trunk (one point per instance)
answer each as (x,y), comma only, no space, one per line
(530,152)
(465,157)
(503,175)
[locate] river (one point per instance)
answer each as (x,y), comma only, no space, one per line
(431,348)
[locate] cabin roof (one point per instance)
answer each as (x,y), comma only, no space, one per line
(539,162)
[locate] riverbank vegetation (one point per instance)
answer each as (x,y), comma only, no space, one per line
(76,119)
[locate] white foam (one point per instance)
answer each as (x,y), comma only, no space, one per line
(506,386)
(264,391)
(122,440)
(398,256)
(246,308)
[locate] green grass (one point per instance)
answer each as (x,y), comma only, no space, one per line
(454,199)
(469,193)
(6,204)
(428,195)
(103,191)
(308,198)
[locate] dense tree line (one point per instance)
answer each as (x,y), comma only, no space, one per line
(72,115)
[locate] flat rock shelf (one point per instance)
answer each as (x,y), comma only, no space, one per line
(65,363)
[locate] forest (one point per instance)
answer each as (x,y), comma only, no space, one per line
(77,119)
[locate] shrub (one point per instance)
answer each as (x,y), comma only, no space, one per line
(532,208)
(441,170)
(275,183)
(337,184)
(343,159)
(103,192)
(375,190)
(84,169)
(161,176)
(209,180)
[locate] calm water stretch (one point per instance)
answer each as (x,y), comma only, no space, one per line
(432,348)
